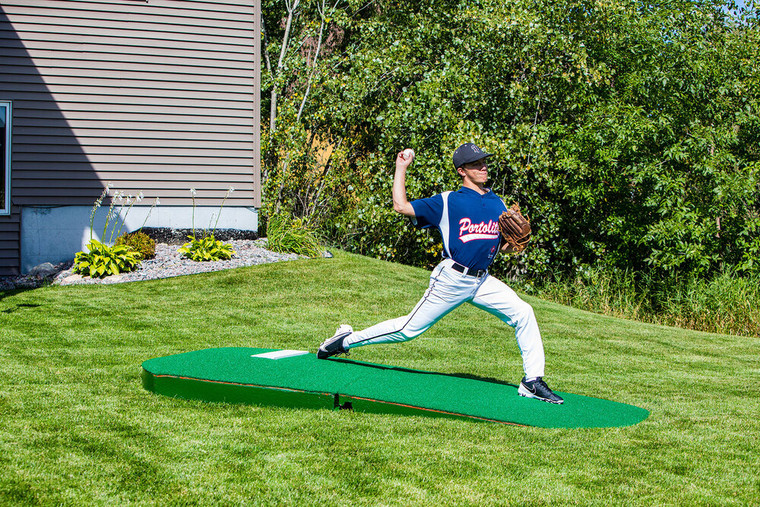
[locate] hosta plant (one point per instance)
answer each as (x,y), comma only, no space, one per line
(102,260)
(206,248)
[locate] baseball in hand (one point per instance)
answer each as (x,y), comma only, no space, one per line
(407,154)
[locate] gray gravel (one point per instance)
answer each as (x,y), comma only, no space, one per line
(167,263)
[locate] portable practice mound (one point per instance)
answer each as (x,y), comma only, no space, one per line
(298,379)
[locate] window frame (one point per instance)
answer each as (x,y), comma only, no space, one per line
(5,207)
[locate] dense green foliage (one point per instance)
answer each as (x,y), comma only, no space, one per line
(628,131)
(139,242)
(79,429)
(101,260)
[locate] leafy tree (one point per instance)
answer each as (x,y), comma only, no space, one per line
(627,130)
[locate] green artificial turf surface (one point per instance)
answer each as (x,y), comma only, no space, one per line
(241,375)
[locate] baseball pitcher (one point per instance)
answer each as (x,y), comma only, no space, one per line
(475,225)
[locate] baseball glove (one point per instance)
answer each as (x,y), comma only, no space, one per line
(514,229)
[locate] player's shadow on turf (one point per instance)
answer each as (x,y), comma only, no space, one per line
(469,376)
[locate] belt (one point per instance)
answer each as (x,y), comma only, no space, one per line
(477,273)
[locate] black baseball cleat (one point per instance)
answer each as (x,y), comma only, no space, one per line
(334,345)
(539,390)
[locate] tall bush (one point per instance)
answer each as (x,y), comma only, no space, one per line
(628,131)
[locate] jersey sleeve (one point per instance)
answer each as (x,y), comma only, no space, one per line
(428,211)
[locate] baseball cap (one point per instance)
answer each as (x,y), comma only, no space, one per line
(468,152)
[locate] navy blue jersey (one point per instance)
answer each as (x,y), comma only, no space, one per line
(468,222)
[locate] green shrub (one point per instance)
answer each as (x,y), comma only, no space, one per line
(288,235)
(139,242)
(207,248)
(102,260)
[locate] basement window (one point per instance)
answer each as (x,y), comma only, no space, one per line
(5,157)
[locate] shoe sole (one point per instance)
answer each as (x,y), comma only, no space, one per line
(324,354)
(523,391)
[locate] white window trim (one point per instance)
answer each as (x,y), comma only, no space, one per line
(5,207)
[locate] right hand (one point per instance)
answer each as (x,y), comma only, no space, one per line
(400,202)
(401,162)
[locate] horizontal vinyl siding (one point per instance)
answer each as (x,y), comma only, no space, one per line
(10,248)
(154,97)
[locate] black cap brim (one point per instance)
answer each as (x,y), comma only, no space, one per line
(467,153)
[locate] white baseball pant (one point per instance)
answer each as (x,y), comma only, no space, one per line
(449,289)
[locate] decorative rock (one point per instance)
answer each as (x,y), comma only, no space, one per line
(71,279)
(44,270)
(167,263)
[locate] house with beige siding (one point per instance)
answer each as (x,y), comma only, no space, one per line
(152,96)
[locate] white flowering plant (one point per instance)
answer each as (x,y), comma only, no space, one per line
(101,259)
(207,247)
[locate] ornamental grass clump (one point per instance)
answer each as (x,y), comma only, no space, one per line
(288,235)
(207,248)
(101,259)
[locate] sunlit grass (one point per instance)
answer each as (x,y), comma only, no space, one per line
(78,428)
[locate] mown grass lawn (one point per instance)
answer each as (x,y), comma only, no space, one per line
(78,428)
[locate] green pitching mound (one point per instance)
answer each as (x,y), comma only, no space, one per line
(297,379)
